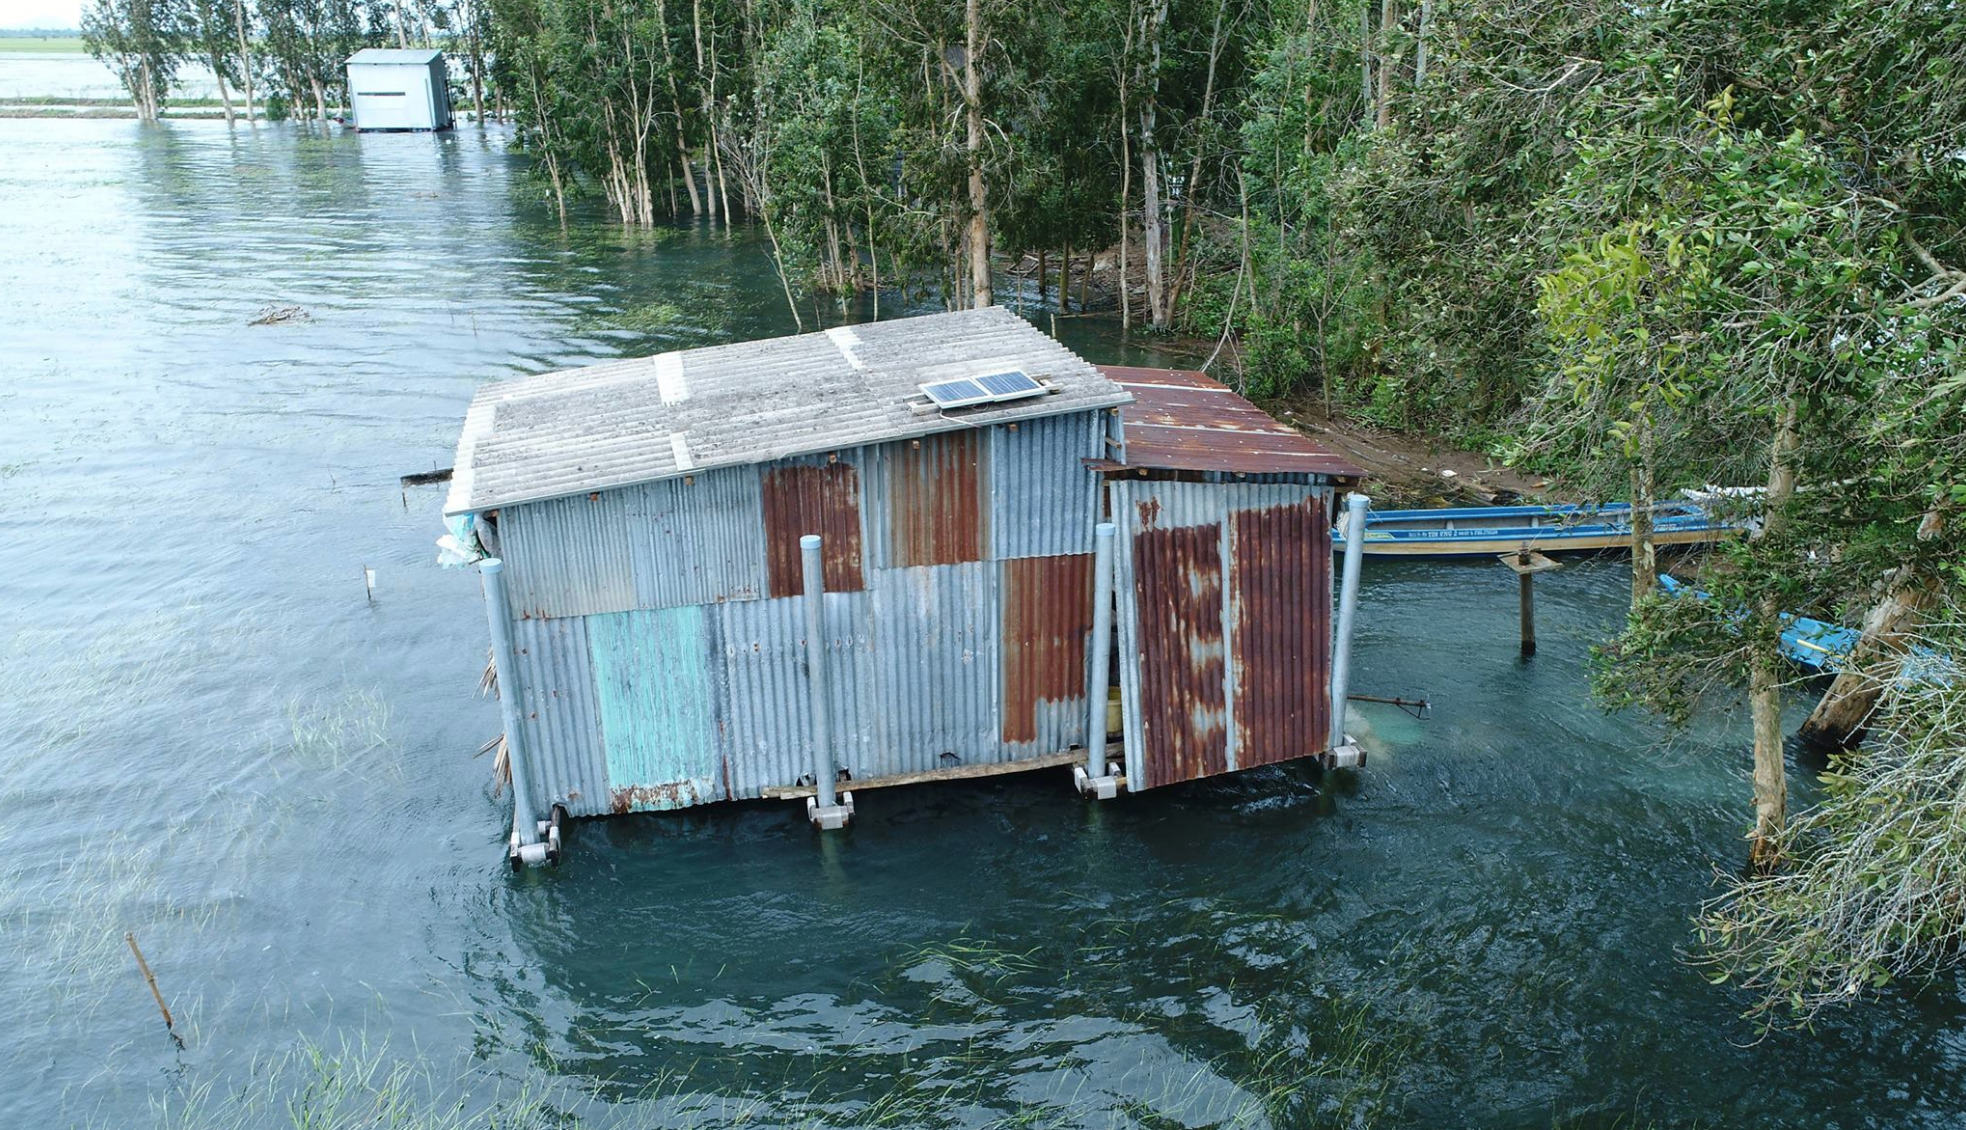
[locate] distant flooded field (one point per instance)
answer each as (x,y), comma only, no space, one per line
(59,68)
(209,737)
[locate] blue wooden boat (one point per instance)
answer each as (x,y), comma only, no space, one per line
(1822,646)
(1485,531)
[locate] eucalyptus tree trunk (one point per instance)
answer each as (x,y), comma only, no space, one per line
(706,109)
(474,44)
(402,26)
(1645,551)
(245,57)
(1764,675)
(1845,710)
(676,103)
(1388,18)
(1065,280)
(1150,187)
(978,238)
(224,95)
(1182,248)
(1420,43)
(1365,61)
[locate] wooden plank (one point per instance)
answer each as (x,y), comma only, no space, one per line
(952,773)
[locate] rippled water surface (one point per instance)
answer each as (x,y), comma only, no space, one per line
(208,736)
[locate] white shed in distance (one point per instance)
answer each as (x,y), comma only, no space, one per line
(399,89)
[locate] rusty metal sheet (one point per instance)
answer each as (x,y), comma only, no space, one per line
(1280,596)
(1047,621)
(1224,620)
(1184,421)
(1184,711)
(934,503)
(821,497)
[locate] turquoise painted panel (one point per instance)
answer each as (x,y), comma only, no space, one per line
(656,674)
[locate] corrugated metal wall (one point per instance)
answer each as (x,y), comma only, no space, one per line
(1224,609)
(1047,622)
(932,702)
(662,653)
(925,501)
(693,540)
(699,539)
(658,692)
(1040,488)
(559,715)
(570,556)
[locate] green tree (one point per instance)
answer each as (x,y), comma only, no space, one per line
(143,42)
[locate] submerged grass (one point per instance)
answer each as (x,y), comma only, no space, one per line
(360,1085)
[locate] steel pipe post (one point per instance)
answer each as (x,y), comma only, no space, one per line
(1341,658)
(824,772)
(525,827)
(1092,778)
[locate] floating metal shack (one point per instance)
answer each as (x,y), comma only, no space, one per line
(392,88)
(642,522)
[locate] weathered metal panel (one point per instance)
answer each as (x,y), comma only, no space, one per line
(1280,588)
(1044,500)
(560,715)
(657,676)
(1224,610)
(812,497)
(925,501)
(650,418)
(767,724)
(699,540)
(1187,421)
(1047,623)
(1184,714)
(570,556)
(934,688)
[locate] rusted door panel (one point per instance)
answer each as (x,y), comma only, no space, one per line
(1224,619)
(1184,714)
(1279,596)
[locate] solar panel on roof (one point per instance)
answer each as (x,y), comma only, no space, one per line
(955,394)
(1009,384)
(991,388)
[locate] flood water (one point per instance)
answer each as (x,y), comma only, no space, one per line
(211,738)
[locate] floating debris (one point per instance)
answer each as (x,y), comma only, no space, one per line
(282,316)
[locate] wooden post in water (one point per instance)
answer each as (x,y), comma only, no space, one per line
(1526,563)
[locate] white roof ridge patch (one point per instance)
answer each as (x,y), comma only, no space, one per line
(669,380)
(679,447)
(848,343)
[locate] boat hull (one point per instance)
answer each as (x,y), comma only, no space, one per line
(1489,531)
(1541,541)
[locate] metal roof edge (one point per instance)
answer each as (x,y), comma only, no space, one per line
(457,502)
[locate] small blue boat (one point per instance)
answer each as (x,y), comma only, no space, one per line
(1823,647)
(1486,531)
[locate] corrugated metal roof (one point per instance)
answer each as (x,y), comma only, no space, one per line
(1186,421)
(652,418)
(412,56)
